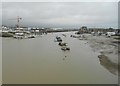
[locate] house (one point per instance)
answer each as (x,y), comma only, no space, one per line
(82,30)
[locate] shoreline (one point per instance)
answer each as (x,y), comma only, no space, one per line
(108,50)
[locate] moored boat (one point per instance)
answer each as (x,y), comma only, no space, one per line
(65,48)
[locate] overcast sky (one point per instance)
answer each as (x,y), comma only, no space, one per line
(58,14)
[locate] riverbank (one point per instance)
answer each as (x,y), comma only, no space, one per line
(108,49)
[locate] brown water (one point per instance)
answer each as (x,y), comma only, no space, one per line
(41,61)
(0,60)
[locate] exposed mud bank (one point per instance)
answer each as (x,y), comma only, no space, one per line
(108,49)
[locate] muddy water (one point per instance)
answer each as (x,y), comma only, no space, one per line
(0,60)
(41,61)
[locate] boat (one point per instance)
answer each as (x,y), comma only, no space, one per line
(64,35)
(19,35)
(62,44)
(31,36)
(75,36)
(65,48)
(59,39)
(109,34)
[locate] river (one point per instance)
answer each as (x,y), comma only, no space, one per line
(41,61)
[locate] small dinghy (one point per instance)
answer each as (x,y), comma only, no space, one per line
(62,44)
(65,48)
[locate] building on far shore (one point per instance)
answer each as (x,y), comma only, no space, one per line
(82,30)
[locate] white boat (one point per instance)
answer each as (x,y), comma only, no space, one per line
(65,48)
(109,34)
(19,35)
(31,36)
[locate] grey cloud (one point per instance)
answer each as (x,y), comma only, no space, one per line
(0,13)
(69,14)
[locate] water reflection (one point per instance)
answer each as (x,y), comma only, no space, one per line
(108,64)
(65,58)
